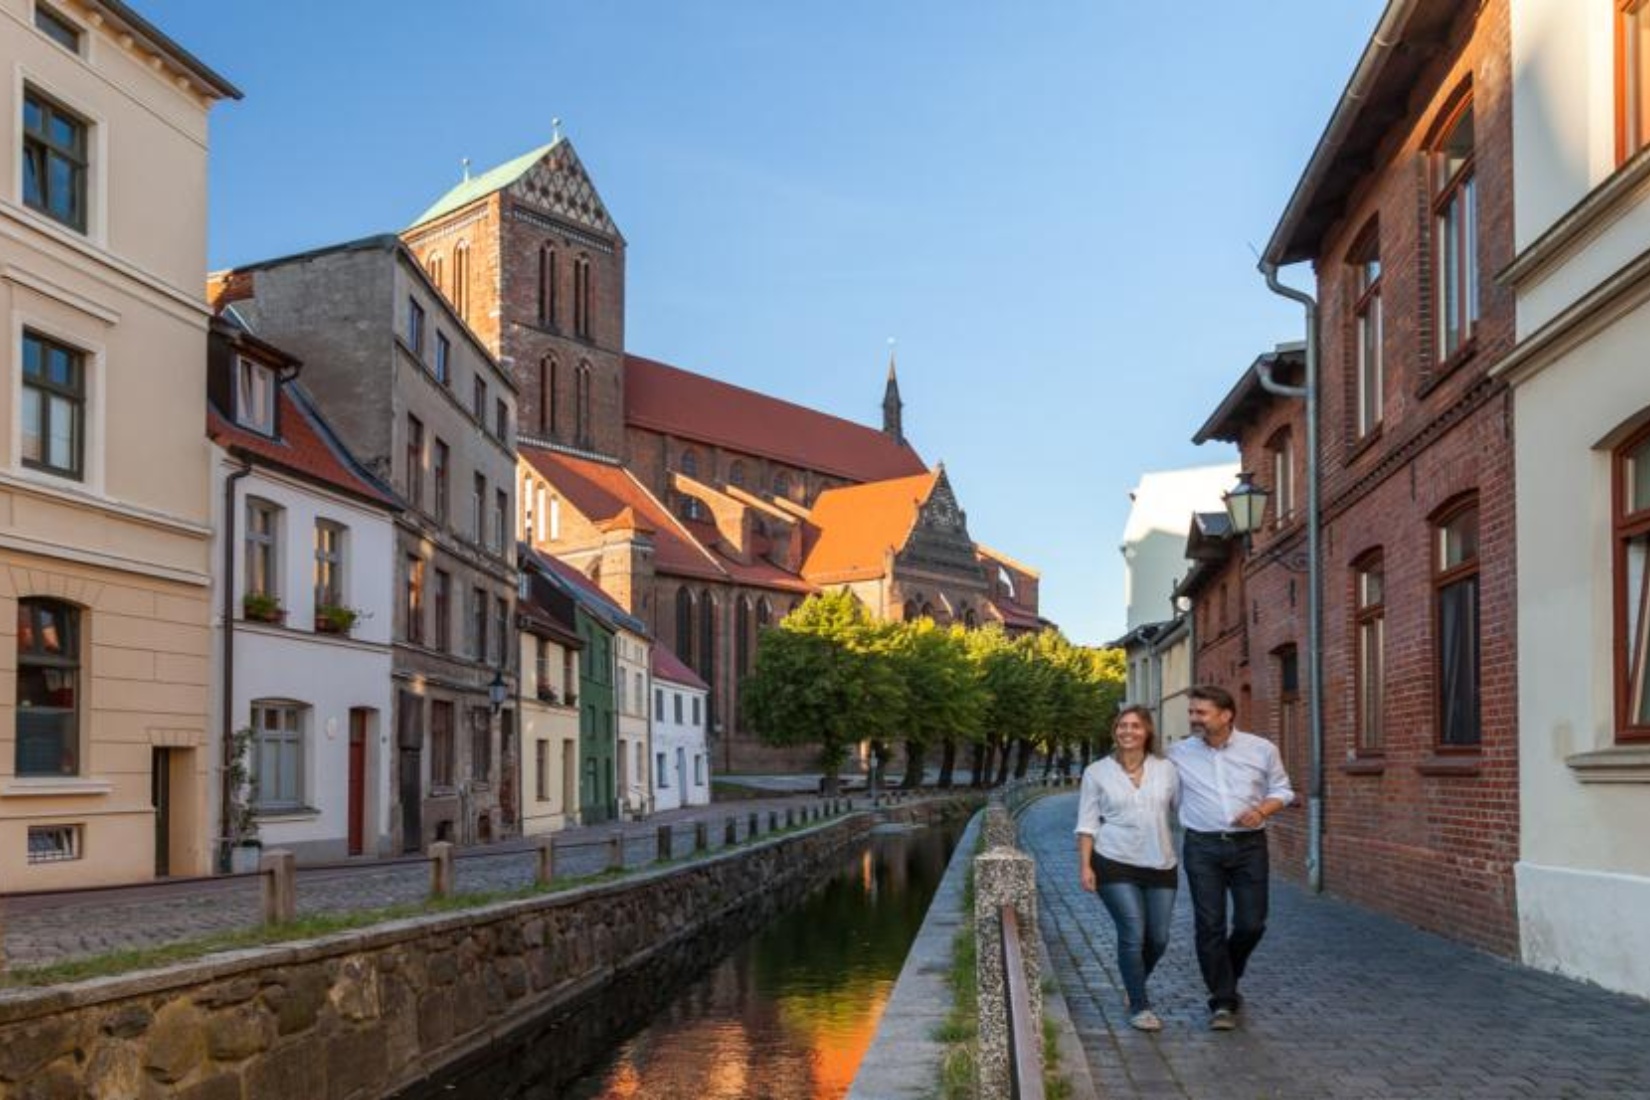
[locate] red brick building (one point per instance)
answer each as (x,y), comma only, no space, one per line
(705,509)
(1405,213)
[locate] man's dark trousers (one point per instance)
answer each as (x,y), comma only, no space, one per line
(1219,865)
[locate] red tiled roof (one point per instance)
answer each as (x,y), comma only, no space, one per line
(1014,615)
(667,666)
(305,447)
(625,521)
(858,525)
(668,399)
(602,490)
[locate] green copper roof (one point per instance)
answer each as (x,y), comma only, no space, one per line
(485,184)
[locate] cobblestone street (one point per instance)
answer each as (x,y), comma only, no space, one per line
(1340,1003)
(39,930)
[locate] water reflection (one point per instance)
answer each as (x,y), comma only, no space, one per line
(789,1015)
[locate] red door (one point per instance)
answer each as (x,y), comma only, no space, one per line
(357,779)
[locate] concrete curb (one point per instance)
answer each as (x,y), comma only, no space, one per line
(1071,1063)
(904,1060)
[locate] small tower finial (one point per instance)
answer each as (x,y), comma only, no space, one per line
(555,129)
(465,161)
(892,421)
(892,351)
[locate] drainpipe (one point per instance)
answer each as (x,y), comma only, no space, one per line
(1314,566)
(228,733)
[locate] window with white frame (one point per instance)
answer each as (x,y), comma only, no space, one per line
(677,696)
(1455,232)
(1366,312)
(329,565)
(263,549)
(255,395)
(53,406)
(54,843)
(278,755)
(1282,450)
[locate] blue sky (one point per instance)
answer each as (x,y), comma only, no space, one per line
(1051,205)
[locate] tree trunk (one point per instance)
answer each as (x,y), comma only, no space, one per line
(1024,759)
(1048,763)
(1005,752)
(980,758)
(913,766)
(948,761)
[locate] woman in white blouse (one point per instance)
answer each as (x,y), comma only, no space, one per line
(1125,851)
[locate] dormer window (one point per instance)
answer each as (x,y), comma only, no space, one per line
(255,396)
(57,28)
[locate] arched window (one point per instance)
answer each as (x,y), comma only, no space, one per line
(691,507)
(461,280)
(1455,229)
(547,397)
(706,649)
(742,636)
(782,484)
(764,615)
(970,620)
(48,688)
(581,407)
(582,297)
(547,286)
(684,626)
(1281,448)
(927,611)
(689,463)
(433,264)
(736,474)
(911,610)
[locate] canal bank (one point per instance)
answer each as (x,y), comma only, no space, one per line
(395,1007)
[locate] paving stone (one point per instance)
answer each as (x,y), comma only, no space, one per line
(1340,1003)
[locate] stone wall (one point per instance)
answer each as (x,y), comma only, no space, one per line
(396,1007)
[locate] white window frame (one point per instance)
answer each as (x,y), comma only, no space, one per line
(255,395)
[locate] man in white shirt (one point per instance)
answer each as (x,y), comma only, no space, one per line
(1230,783)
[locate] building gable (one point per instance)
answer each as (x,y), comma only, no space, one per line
(939,539)
(559,185)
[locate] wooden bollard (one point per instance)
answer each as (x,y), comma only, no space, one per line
(752,827)
(278,870)
(701,836)
(773,821)
(615,852)
(666,844)
(441,869)
(790,816)
(545,846)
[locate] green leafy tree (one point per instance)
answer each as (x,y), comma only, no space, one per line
(944,699)
(822,677)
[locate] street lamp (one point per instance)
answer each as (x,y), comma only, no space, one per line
(1245,505)
(497,691)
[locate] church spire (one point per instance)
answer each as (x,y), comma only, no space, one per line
(891,404)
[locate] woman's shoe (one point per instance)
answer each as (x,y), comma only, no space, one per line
(1145,1020)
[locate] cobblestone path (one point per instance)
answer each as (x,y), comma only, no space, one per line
(1340,1002)
(43,929)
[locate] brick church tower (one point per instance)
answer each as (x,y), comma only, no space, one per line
(531,258)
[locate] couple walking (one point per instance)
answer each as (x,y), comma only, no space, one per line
(1224,784)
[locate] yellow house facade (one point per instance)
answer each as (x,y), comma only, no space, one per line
(105,519)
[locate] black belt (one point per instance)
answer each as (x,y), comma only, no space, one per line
(1230,834)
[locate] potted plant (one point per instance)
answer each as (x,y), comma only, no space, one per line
(245,848)
(335,618)
(263,607)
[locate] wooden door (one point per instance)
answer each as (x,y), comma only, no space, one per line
(357,780)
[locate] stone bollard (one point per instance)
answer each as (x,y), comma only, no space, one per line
(730,835)
(667,844)
(1002,877)
(441,869)
(545,846)
(278,871)
(615,852)
(773,821)
(701,836)
(999,827)
(790,817)
(752,829)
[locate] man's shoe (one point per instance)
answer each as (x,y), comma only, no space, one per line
(1145,1020)
(1223,1019)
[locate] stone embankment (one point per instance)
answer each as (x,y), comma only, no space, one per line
(401,1007)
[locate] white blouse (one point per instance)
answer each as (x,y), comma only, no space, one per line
(1130,824)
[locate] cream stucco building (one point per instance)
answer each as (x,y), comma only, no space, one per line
(105,516)
(1581,420)
(550,653)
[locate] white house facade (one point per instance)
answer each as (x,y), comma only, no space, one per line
(681,758)
(1581,421)
(305,543)
(630,697)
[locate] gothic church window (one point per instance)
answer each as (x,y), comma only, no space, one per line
(684,626)
(461,280)
(547,286)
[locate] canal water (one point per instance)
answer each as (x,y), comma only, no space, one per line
(789,1014)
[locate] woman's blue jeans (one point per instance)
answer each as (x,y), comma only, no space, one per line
(1142,915)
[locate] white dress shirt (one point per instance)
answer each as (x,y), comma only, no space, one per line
(1217,786)
(1129,824)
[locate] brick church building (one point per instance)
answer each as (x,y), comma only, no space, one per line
(707,510)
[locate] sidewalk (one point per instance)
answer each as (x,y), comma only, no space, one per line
(1341,1003)
(48,928)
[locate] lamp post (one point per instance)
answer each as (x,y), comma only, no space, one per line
(1245,506)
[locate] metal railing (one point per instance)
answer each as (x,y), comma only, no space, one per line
(1024,1049)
